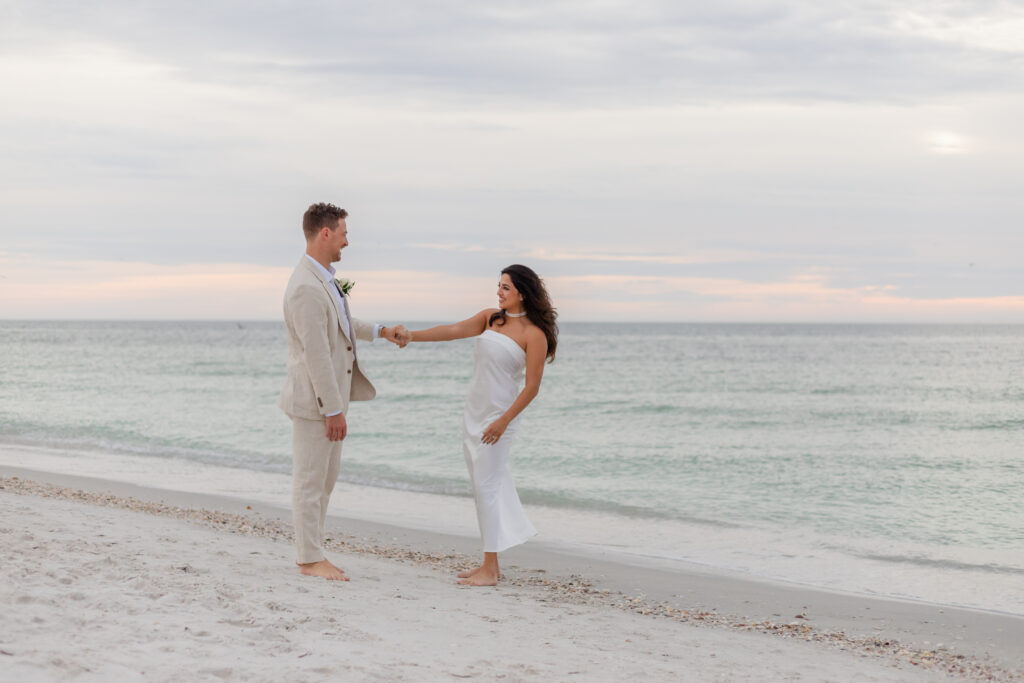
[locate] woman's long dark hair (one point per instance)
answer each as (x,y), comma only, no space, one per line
(536,303)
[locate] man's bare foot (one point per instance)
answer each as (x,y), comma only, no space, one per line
(323,569)
(480,578)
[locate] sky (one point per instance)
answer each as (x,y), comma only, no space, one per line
(787,161)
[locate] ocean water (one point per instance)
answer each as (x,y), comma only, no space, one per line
(880,459)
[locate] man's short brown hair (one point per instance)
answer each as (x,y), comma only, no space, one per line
(320,216)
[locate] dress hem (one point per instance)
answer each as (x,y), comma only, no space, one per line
(511,545)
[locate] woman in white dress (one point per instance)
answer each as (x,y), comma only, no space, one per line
(513,342)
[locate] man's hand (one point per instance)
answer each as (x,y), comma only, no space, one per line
(403,334)
(396,335)
(337,427)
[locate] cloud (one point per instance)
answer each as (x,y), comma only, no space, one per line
(998,31)
(85,289)
(31,288)
(232,291)
(746,140)
(611,53)
(807,297)
(593,256)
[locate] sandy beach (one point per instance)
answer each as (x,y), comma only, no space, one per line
(110,581)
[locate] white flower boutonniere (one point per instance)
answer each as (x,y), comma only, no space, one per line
(345,285)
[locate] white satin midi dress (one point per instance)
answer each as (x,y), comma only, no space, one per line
(498,371)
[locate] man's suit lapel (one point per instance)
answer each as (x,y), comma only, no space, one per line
(348,313)
(334,300)
(348,317)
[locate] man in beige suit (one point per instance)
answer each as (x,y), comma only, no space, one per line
(323,377)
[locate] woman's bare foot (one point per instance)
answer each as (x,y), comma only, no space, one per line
(480,578)
(486,574)
(323,569)
(472,572)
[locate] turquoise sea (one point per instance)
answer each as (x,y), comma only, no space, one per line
(874,458)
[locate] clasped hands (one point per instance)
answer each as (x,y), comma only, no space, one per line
(397,335)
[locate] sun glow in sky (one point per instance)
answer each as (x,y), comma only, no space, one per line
(781,161)
(944,142)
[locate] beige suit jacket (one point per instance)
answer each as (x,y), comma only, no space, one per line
(323,375)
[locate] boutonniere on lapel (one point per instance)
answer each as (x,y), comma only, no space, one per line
(344,284)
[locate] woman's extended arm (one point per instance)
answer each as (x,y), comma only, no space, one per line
(470,327)
(536,353)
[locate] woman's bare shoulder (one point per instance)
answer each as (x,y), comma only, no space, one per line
(535,335)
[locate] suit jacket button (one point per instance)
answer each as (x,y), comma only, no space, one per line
(350,348)
(350,372)
(319,401)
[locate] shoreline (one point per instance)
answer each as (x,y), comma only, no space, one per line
(940,638)
(740,553)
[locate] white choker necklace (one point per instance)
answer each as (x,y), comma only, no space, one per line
(515,315)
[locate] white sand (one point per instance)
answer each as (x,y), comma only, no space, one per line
(94,593)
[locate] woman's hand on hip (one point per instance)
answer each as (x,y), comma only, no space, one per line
(493,433)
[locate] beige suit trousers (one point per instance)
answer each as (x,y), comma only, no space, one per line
(316,461)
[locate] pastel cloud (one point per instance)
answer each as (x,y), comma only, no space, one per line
(807,297)
(114,290)
(34,289)
(132,290)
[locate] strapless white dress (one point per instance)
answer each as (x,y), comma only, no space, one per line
(498,371)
